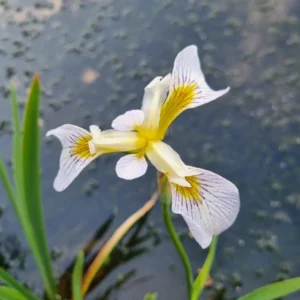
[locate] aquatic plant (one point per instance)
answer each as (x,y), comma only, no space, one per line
(208,203)
(25,197)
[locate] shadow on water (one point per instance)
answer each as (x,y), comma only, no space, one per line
(12,253)
(95,57)
(138,241)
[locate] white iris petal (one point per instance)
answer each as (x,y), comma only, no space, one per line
(154,96)
(212,211)
(187,70)
(75,155)
(167,160)
(131,166)
(128,121)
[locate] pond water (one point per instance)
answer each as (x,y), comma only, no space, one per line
(94,58)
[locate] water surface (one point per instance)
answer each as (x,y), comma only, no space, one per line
(95,58)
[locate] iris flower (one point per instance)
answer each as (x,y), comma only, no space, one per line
(208,203)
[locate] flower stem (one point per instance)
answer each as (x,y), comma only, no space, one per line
(165,201)
(200,280)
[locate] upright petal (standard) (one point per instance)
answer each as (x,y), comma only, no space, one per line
(154,96)
(129,121)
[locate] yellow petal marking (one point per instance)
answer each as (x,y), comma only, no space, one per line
(190,193)
(178,100)
(81,147)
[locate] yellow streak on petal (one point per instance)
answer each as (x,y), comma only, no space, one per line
(141,153)
(81,147)
(149,134)
(178,101)
(190,193)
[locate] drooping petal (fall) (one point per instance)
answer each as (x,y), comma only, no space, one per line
(200,235)
(129,121)
(75,155)
(209,206)
(131,166)
(167,161)
(188,88)
(154,96)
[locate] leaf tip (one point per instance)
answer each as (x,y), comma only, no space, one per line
(36,78)
(12,87)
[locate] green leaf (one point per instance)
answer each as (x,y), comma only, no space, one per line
(27,200)
(17,199)
(203,274)
(3,170)
(274,290)
(32,187)
(77,277)
(17,150)
(17,162)
(7,184)
(151,296)
(31,158)
(7,293)
(9,280)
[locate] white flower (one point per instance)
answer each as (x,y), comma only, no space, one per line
(208,203)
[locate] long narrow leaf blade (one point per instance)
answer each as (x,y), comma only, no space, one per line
(204,273)
(7,293)
(77,277)
(32,185)
(7,185)
(17,150)
(274,290)
(10,281)
(31,158)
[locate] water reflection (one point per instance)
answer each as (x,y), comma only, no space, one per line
(138,241)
